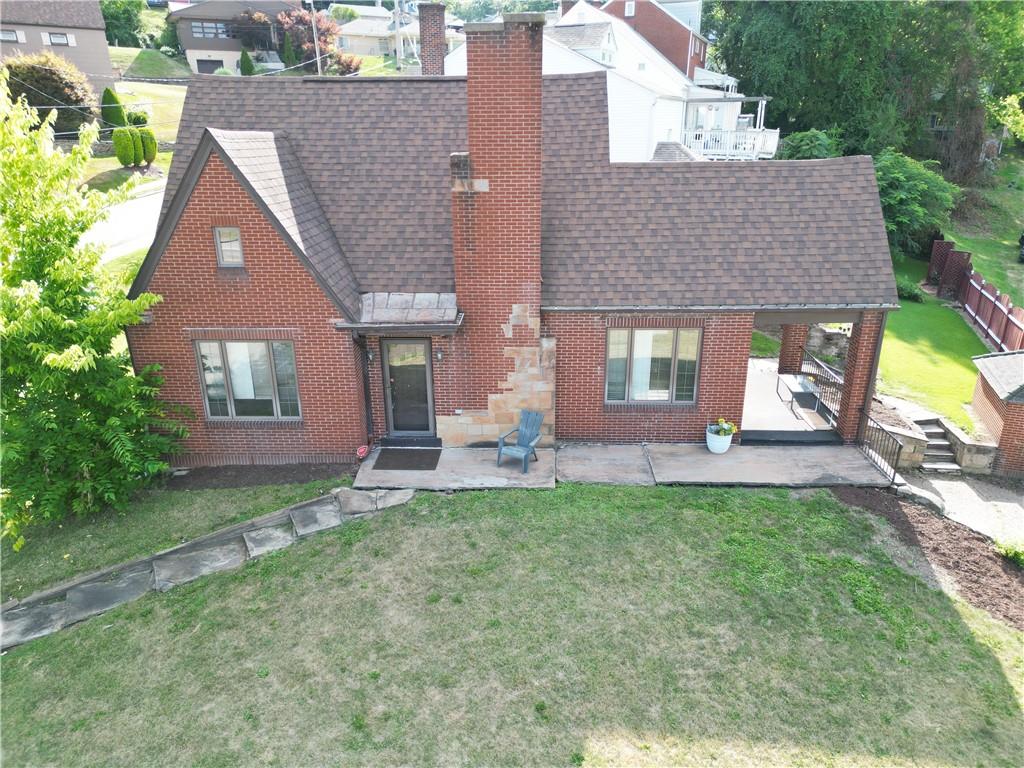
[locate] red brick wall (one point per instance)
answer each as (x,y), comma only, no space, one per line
(496,233)
(662,31)
(988,406)
(433,45)
(275,297)
(857,382)
(1010,460)
(580,378)
(791,355)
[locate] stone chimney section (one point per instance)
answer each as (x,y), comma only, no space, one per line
(433,40)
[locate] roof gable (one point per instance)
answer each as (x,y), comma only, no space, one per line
(269,171)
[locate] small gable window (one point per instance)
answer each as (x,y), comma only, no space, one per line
(229,246)
(630,8)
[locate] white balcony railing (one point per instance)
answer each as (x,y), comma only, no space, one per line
(717,144)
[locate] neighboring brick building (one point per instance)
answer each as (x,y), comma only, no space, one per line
(999,403)
(321,291)
(683,46)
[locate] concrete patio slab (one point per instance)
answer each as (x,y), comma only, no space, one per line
(624,464)
(463,469)
(774,465)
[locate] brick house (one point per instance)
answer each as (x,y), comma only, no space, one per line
(672,33)
(999,403)
(323,288)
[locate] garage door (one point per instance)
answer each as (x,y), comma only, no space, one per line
(209,66)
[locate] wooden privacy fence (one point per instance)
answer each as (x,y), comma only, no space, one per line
(951,271)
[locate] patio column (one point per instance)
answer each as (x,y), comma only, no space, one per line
(858,377)
(791,356)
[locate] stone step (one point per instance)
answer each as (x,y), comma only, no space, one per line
(937,433)
(945,467)
(937,444)
(939,455)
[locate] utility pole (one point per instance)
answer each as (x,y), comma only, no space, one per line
(399,53)
(316,40)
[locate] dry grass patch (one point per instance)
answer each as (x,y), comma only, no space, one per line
(584,625)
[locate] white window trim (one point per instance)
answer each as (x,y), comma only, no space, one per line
(50,35)
(672,379)
(229,394)
(220,253)
(630,10)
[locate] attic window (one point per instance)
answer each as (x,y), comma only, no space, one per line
(630,8)
(229,246)
(8,36)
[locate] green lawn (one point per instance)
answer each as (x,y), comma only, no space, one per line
(926,354)
(579,626)
(378,66)
(762,345)
(147,62)
(163,102)
(157,519)
(107,173)
(991,234)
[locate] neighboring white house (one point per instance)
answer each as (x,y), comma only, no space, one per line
(374,35)
(651,103)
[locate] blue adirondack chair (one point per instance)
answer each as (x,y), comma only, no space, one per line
(526,440)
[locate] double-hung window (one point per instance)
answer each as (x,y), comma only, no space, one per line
(249,379)
(652,365)
(229,246)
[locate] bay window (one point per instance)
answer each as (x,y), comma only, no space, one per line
(652,365)
(249,379)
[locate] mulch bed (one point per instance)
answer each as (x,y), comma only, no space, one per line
(244,476)
(890,416)
(983,577)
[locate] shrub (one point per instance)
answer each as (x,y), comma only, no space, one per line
(112,110)
(48,80)
(343,14)
(1012,552)
(915,199)
(908,290)
(81,431)
(124,146)
(245,65)
(344,64)
(137,117)
(168,39)
(288,55)
(167,50)
(223,71)
(137,153)
(149,145)
(808,145)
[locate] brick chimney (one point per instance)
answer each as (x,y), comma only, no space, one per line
(496,218)
(566,5)
(433,40)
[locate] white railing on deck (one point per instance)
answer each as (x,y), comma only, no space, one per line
(717,144)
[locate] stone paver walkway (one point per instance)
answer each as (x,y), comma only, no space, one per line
(982,506)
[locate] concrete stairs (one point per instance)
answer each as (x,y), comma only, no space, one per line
(938,455)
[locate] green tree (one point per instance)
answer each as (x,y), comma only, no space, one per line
(47,80)
(808,145)
(149,145)
(81,431)
(112,110)
(915,200)
(288,52)
(343,14)
(245,65)
(123,19)
(124,146)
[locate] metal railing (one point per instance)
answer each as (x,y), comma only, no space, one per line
(828,385)
(719,144)
(880,446)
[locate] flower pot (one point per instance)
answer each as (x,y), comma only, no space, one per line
(717,443)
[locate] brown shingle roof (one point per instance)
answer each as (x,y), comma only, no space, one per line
(688,235)
(579,35)
(225,10)
(80,14)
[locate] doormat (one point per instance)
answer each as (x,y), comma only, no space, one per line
(408,458)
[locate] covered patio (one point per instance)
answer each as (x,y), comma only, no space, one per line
(786,466)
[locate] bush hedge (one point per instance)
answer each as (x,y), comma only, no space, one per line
(124,146)
(48,80)
(137,117)
(908,290)
(112,110)
(137,146)
(148,138)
